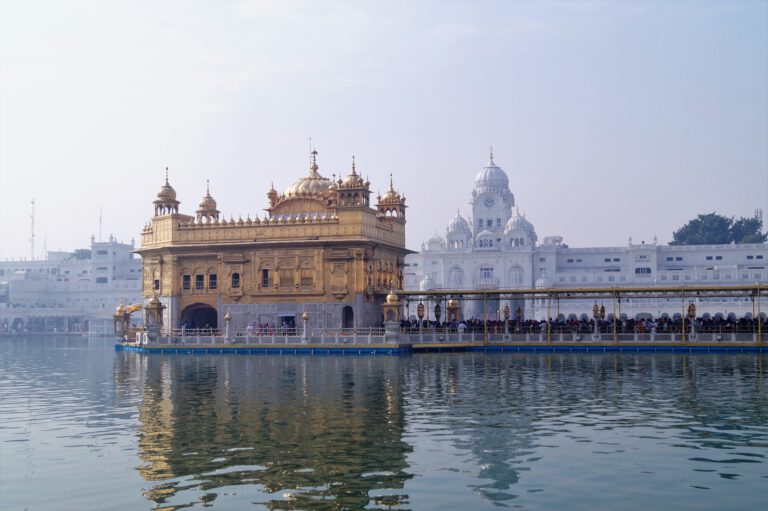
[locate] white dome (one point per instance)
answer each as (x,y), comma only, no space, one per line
(427,283)
(518,222)
(491,178)
(436,243)
(458,224)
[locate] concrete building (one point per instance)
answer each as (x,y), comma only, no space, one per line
(69,291)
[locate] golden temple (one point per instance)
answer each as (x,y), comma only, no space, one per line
(321,248)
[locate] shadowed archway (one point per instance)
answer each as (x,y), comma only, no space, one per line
(200,315)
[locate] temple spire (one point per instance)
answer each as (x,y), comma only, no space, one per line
(313,168)
(491,154)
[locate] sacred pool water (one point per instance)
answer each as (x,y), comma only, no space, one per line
(84,427)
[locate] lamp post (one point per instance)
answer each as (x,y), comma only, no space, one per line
(602,312)
(507,313)
(519,317)
(305,318)
(420,315)
(227,319)
(438,313)
(596,315)
(692,317)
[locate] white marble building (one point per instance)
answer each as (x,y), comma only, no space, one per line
(70,289)
(498,248)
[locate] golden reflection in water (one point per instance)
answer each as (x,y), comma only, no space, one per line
(301,430)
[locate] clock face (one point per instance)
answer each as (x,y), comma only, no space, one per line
(489,202)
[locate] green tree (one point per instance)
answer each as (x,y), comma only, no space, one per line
(82,253)
(748,230)
(714,229)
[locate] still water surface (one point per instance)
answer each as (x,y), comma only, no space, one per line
(83,427)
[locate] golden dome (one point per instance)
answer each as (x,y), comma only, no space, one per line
(120,309)
(353,180)
(166,193)
(392,297)
(207,203)
(391,197)
(154,301)
(312,185)
(453,303)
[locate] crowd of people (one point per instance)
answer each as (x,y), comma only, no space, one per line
(663,324)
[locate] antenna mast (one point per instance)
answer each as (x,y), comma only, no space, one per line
(32,238)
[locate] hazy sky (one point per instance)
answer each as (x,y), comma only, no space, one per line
(612,119)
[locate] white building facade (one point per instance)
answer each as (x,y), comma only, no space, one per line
(69,291)
(498,248)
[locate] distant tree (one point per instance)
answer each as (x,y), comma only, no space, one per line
(714,229)
(748,230)
(82,253)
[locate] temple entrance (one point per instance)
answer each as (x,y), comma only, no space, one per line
(347,317)
(200,315)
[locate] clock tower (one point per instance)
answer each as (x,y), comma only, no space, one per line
(492,204)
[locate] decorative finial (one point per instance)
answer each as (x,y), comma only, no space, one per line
(353,164)
(313,167)
(491,151)
(391,188)
(166,175)
(208,187)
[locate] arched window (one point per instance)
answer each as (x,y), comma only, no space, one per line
(516,276)
(235,280)
(456,277)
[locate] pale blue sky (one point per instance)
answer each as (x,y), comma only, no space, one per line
(612,119)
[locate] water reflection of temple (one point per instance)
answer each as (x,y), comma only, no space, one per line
(306,428)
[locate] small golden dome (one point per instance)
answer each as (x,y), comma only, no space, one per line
(391,197)
(207,203)
(166,193)
(392,297)
(154,301)
(453,303)
(353,180)
(120,309)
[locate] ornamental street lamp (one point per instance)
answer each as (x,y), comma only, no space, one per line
(227,319)
(420,315)
(438,313)
(507,313)
(692,317)
(596,315)
(305,318)
(519,317)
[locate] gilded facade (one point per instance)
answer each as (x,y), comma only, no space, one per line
(321,248)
